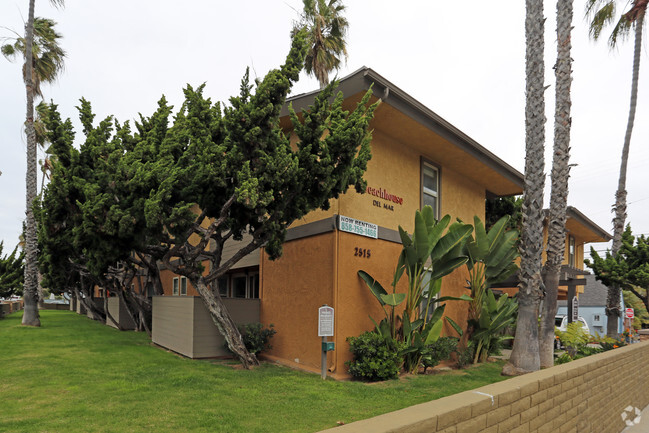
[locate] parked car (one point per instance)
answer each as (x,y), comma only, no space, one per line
(561,322)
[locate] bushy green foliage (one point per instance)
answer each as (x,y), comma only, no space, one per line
(465,355)
(11,272)
(425,258)
(438,351)
(574,338)
(497,208)
(256,337)
(375,357)
(495,318)
(628,270)
(492,256)
(609,343)
(213,172)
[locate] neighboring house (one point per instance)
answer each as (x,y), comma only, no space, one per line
(417,159)
(592,306)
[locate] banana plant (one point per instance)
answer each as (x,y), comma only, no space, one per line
(495,317)
(426,257)
(491,260)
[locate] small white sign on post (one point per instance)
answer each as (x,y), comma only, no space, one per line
(325,321)
(629,313)
(575,309)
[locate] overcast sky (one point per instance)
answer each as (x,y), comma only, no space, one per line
(463,60)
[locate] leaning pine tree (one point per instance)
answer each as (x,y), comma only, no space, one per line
(180,192)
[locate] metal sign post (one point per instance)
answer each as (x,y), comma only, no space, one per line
(325,329)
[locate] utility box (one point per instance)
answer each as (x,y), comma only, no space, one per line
(328,346)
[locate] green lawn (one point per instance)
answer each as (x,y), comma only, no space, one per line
(76,375)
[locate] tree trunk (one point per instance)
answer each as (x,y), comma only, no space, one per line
(224,322)
(613,299)
(560,175)
(525,354)
(30,290)
(549,310)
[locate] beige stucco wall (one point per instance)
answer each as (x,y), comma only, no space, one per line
(583,396)
(184,325)
(118,311)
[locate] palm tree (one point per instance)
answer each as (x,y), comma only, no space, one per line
(525,354)
(47,55)
(602,13)
(560,175)
(327,30)
(32,87)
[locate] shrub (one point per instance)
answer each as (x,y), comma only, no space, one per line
(587,351)
(257,338)
(375,357)
(608,343)
(465,356)
(574,338)
(440,350)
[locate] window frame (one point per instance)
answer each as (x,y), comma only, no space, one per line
(175,286)
(425,163)
(572,251)
(183,286)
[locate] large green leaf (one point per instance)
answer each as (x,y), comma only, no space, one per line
(455,326)
(393,299)
(453,298)
(442,269)
(437,314)
(401,266)
(405,237)
(503,249)
(374,286)
(429,216)
(473,252)
(436,232)
(420,238)
(481,239)
(450,240)
(496,231)
(434,333)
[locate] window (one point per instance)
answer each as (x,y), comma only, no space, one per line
(430,187)
(571,250)
(183,286)
(224,287)
(253,286)
(239,286)
(175,286)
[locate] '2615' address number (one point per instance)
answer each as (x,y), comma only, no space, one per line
(362,252)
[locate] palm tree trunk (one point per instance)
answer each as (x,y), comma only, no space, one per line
(560,175)
(525,354)
(30,292)
(613,299)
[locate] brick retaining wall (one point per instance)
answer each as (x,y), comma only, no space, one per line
(582,396)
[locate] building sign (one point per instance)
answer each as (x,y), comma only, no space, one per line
(325,321)
(575,309)
(385,195)
(351,225)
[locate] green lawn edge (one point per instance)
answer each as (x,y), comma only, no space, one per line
(77,375)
